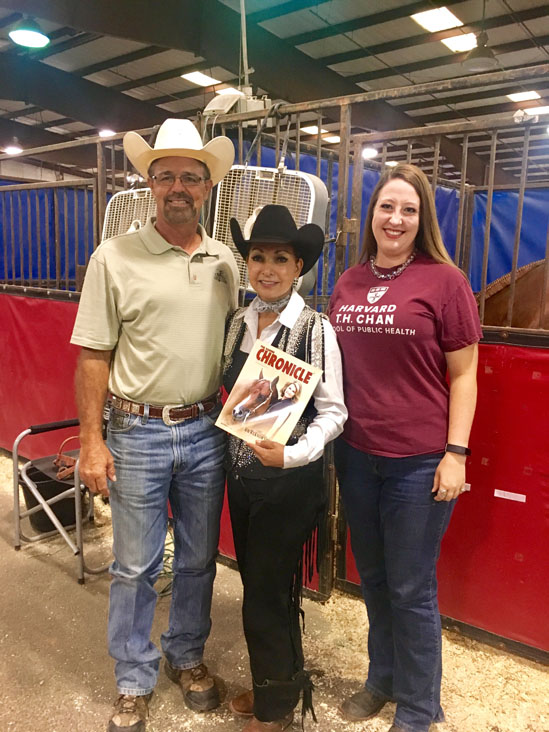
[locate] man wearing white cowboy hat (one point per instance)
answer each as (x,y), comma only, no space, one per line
(151,322)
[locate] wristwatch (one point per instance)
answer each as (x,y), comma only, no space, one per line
(458,449)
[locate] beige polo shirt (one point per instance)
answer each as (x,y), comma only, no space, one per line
(163,313)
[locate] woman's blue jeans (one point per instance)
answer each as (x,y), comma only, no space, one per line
(156,463)
(396,528)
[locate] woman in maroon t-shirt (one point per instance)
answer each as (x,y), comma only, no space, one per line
(405,316)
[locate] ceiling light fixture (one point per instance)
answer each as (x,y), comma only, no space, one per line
(13,149)
(230,90)
(391,163)
(200,79)
(312,130)
(437,20)
(106,133)
(461,43)
(28,33)
(332,139)
(535,111)
(480,58)
(369,152)
(523,96)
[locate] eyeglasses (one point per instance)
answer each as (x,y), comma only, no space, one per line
(188,180)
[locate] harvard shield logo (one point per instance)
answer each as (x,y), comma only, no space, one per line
(375,294)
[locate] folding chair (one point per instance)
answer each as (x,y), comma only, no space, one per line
(60,501)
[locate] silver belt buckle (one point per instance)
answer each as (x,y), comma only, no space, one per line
(166,415)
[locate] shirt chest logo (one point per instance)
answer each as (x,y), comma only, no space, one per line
(375,294)
(220,276)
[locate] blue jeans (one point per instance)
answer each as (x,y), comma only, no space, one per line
(396,528)
(156,463)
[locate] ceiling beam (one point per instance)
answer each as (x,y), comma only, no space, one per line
(9,19)
(29,137)
(472,112)
(483,96)
(83,71)
(59,122)
(365,21)
(21,112)
(189,93)
(76,39)
(50,88)
(450,58)
(176,26)
(402,43)
(124,58)
(164,76)
(276,11)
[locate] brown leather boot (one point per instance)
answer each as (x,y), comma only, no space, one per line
(130,713)
(199,690)
(362,705)
(254,725)
(243,704)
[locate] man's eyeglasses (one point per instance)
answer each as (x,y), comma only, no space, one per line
(186,179)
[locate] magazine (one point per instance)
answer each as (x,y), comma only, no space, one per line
(269,396)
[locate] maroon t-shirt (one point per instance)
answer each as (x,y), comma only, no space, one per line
(393,335)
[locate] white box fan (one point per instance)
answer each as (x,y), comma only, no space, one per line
(128,210)
(239,194)
(247,188)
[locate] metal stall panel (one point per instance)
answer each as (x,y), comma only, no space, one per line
(493,570)
(47,233)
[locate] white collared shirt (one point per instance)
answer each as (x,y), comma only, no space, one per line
(328,395)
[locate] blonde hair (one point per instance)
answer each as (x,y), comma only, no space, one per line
(428,239)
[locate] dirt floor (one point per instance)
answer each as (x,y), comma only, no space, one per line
(56,675)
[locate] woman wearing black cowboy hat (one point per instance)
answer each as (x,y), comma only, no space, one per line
(276,492)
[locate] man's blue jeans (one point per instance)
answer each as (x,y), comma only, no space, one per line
(396,529)
(155,462)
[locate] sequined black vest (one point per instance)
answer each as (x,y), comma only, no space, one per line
(305,340)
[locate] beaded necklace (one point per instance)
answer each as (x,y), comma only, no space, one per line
(396,272)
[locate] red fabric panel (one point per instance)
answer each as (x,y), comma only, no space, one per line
(37,372)
(493,570)
(350,564)
(226,543)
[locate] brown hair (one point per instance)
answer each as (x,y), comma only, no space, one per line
(428,238)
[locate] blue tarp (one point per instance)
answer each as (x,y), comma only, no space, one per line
(447,202)
(533,232)
(18,260)
(535,222)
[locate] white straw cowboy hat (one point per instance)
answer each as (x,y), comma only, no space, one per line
(179,137)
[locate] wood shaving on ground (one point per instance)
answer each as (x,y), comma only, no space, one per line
(61,641)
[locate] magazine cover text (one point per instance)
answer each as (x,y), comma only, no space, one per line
(269,395)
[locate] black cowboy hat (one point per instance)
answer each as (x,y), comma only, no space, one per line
(274,225)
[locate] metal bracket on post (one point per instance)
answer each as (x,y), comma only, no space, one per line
(350,226)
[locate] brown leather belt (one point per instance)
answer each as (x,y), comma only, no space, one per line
(170,414)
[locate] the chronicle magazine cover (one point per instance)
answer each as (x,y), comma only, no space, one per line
(269,395)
